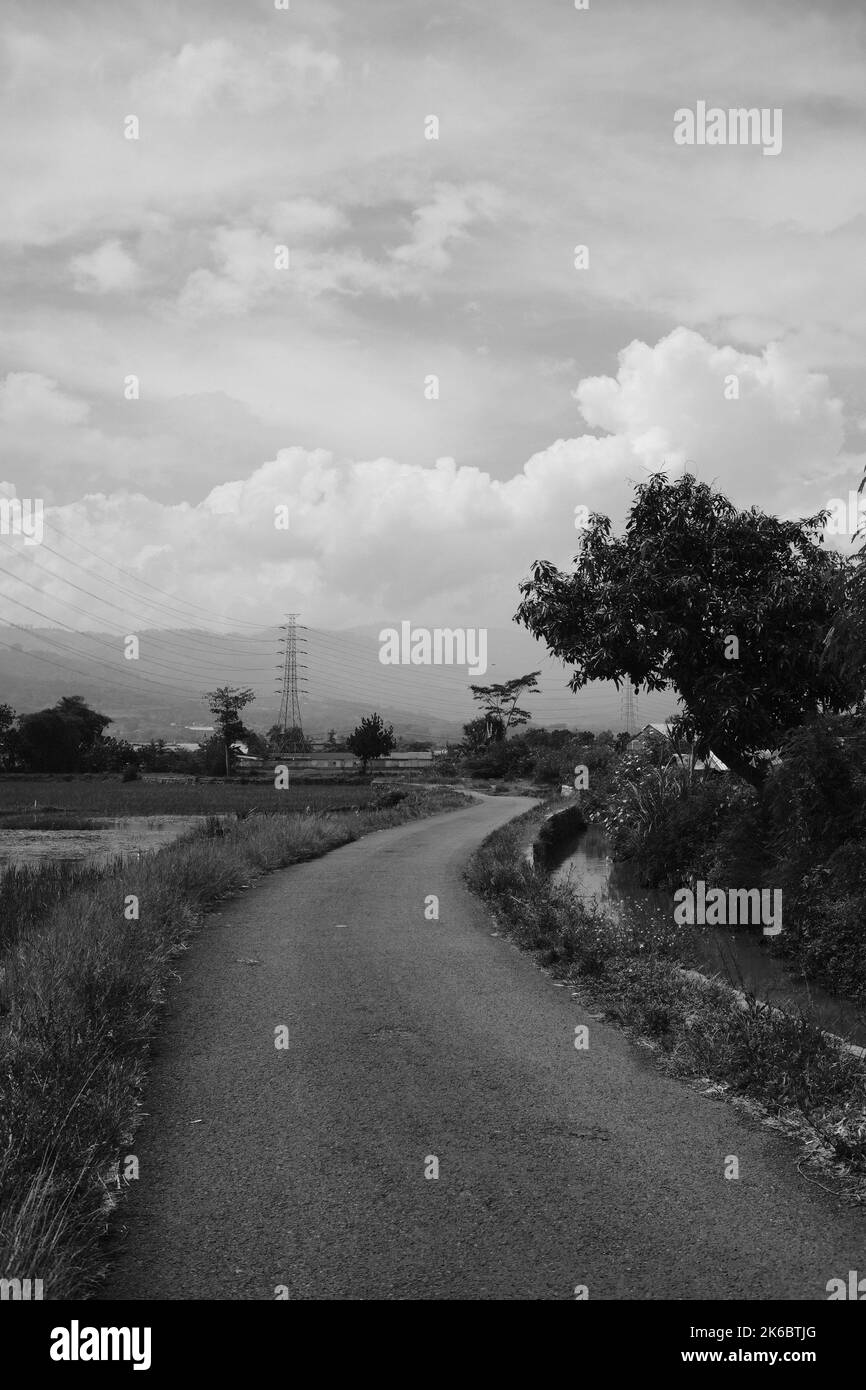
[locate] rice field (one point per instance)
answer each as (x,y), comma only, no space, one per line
(97,797)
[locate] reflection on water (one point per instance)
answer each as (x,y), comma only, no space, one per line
(116,839)
(740,956)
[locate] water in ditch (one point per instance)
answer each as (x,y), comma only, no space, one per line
(740,956)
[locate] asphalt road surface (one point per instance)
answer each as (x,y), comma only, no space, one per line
(309,1168)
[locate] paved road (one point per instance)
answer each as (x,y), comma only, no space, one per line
(411,1038)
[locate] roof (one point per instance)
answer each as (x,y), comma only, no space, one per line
(663,729)
(711,762)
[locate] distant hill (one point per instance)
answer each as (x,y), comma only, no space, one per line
(161,693)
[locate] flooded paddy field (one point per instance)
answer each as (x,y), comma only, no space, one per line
(94,820)
(115,839)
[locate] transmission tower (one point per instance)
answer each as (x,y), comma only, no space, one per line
(291,734)
(629,709)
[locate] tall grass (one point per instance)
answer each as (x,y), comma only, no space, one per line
(81,988)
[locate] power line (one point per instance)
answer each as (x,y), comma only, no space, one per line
(174,665)
(107,602)
(223,617)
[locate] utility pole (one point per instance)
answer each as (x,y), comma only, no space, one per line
(291,733)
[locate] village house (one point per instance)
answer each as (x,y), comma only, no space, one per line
(686,759)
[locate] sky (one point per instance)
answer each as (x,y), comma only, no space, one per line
(307,385)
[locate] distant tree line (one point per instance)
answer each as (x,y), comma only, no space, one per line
(68,737)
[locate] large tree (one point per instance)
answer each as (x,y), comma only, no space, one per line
(499,703)
(61,739)
(732,609)
(225,705)
(89,724)
(371,740)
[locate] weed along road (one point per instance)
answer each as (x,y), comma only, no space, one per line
(419,1047)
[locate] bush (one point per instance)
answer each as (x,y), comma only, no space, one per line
(551,770)
(816,826)
(384,799)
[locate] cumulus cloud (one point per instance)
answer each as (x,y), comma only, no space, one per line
(371,537)
(107,269)
(759,423)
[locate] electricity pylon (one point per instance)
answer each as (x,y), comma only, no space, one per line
(291,734)
(629,708)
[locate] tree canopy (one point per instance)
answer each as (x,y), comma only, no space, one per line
(501,710)
(60,739)
(371,739)
(225,704)
(731,608)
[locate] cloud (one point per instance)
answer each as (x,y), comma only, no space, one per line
(244,257)
(321,111)
(303,219)
(215,72)
(379,536)
(27,399)
(446,218)
(669,403)
(107,269)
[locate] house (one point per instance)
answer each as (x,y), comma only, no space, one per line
(654,733)
(399,761)
(649,733)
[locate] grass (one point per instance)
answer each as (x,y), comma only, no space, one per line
(81,991)
(702,1028)
(104,797)
(50,821)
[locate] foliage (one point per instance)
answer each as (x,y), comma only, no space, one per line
(476,735)
(499,704)
(816,815)
(546,756)
(225,704)
(275,741)
(62,739)
(371,740)
(659,605)
(7,728)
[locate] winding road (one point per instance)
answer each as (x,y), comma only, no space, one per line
(307,1171)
